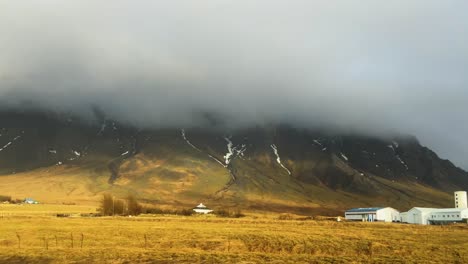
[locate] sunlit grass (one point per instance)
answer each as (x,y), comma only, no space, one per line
(261,238)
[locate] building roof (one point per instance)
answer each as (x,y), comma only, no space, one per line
(201,206)
(422,209)
(368,209)
(444,210)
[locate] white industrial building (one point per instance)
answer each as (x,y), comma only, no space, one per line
(449,215)
(372,214)
(426,216)
(417,215)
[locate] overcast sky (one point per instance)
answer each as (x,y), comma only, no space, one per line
(372,66)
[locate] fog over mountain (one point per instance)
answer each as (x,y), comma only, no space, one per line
(375,67)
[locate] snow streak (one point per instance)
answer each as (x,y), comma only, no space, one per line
(9,143)
(184,136)
(278,159)
(103,127)
(217,160)
(318,143)
(233,151)
(227,157)
(402,162)
(344,156)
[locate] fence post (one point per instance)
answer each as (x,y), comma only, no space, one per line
(19,239)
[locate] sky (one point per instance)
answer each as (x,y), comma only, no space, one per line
(371,66)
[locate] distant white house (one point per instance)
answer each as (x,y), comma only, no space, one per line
(202,209)
(30,201)
(373,214)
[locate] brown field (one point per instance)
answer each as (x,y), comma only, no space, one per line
(32,234)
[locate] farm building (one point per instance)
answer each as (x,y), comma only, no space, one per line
(373,214)
(417,215)
(427,216)
(202,209)
(447,216)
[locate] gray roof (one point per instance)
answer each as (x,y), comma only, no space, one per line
(359,210)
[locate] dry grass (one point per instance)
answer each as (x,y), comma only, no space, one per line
(209,239)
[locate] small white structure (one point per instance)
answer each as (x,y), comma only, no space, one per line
(373,214)
(202,209)
(461,199)
(30,201)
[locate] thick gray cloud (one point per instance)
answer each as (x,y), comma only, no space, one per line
(372,66)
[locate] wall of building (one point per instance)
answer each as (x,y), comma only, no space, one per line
(418,216)
(449,215)
(360,216)
(388,215)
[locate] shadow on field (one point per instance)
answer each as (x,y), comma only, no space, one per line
(25,259)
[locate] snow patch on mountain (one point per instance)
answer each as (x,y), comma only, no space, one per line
(278,158)
(240,151)
(228,156)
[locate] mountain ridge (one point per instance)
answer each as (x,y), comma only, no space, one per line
(265,168)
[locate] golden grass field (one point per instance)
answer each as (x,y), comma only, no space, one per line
(257,238)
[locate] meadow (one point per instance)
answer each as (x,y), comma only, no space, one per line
(33,234)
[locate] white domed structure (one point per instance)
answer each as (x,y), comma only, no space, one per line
(202,209)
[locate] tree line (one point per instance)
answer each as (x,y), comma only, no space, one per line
(113,206)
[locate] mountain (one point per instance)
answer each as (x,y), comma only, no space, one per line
(60,158)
